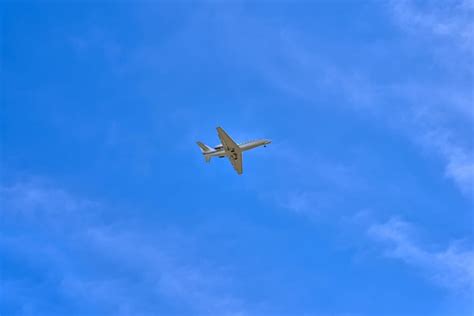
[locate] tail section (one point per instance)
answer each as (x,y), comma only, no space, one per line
(205,149)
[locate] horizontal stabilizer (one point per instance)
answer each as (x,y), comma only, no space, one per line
(204,147)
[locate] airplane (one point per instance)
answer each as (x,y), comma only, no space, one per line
(231,149)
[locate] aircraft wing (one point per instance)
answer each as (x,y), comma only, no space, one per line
(236,161)
(232,150)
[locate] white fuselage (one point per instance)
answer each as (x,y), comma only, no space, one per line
(219,150)
(230,149)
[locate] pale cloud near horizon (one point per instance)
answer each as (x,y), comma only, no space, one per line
(67,237)
(451,267)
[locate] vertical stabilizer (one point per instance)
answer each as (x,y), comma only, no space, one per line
(205,149)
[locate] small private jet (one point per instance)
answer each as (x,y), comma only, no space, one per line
(231,149)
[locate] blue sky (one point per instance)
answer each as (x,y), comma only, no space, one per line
(362,205)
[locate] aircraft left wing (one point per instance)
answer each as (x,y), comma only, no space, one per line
(232,150)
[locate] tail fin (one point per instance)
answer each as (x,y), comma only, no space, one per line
(205,149)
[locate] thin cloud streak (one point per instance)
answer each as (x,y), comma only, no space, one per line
(451,20)
(459,159)
(452,268)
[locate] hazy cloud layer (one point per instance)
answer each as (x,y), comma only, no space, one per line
(108,264)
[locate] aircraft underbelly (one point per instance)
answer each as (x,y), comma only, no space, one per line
(218,153)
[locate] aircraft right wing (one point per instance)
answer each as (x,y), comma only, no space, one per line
(236,161)
(232,150)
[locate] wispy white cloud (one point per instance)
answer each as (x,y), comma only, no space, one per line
(113,268)
(38,197)
(452,20)
(459,159)
(452,267)
(442,107)
(169,275)
(303,202)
